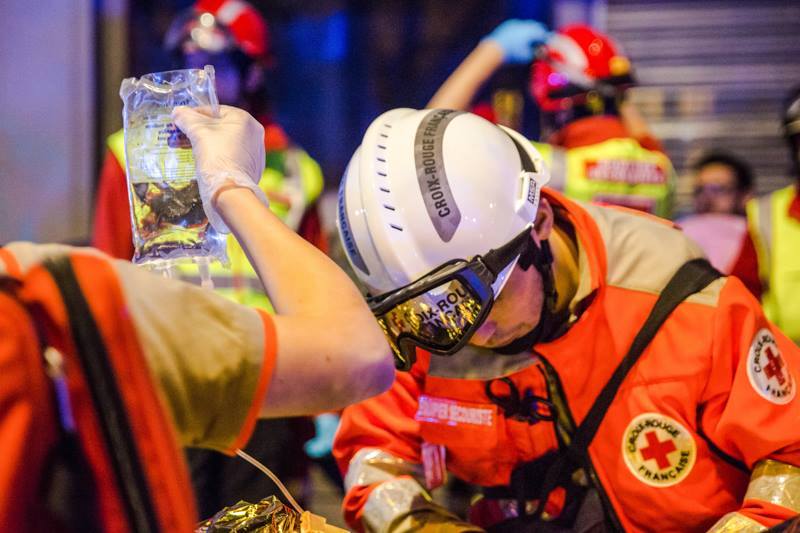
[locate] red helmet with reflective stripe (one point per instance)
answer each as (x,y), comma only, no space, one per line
(575,60)
(219,26)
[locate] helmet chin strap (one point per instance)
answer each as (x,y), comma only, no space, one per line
(541,258)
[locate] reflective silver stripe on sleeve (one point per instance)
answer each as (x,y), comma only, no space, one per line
(736,523)
(558,169)
(765,227)
(371,465)
(245,282)
(777,483)
(390,500)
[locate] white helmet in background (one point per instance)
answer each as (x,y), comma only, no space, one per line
(426,187)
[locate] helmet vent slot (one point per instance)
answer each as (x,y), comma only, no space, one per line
(381,170)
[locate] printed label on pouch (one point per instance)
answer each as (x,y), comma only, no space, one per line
(658,450)
(767,370)
(623,171)
(454,413)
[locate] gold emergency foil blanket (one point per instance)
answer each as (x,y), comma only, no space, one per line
(736,523)
(269,515)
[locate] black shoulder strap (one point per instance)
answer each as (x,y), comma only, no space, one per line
(108,403)
(690,278)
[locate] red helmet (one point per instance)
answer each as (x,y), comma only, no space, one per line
(220,26)
(575,60)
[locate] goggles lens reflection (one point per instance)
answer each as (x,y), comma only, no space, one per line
(438,319)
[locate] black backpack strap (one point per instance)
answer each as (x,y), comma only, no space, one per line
(692,277)
(108,404)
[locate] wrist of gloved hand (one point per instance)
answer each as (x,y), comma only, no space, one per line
(212,184)
(518,39)
(228,150)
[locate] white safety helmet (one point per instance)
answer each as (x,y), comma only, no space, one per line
(429,186)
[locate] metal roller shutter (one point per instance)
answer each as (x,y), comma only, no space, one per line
(713,74)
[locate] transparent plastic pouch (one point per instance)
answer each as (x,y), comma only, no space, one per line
(167,217)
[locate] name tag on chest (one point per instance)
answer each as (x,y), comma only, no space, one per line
(450,422)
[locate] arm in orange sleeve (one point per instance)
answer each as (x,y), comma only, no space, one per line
(378,449)
(385,424)
(750,408)
(111,231)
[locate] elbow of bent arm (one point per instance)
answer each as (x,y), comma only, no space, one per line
(380,360)
(367,358)
(372,371)
(381,371)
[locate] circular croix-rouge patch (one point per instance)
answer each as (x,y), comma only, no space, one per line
(767,370)
(658,450)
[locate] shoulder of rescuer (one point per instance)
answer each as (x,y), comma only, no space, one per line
(188,367)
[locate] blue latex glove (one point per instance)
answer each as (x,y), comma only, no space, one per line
(325,427)
(519,39)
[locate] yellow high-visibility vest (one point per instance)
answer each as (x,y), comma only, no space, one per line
(291,173)
(617,171)
(776,236)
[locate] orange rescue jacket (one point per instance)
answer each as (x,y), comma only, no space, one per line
(714,392)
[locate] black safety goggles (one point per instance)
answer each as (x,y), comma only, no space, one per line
(441,311)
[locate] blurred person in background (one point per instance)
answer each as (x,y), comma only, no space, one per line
(769,263)
(722,185)
(600,149)
(232,36)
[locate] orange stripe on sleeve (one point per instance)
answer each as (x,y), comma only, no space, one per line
(267,369)
(766,513)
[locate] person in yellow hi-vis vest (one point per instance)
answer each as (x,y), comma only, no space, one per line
(232,36)
(769,263)
(599,148)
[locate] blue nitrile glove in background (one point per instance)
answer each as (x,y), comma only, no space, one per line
(519,38)
(325,426)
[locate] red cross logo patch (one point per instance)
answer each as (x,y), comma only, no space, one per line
(658,450)
(767,369)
